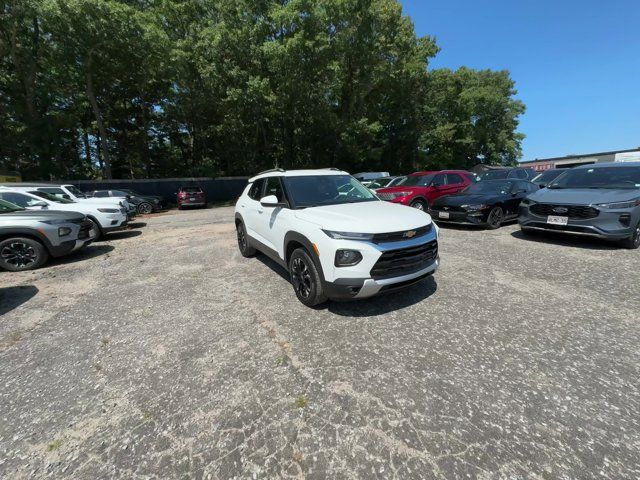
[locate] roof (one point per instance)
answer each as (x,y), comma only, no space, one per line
(568,157)
(297,173)
(610,164)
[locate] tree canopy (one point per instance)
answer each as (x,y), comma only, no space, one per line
(160,88)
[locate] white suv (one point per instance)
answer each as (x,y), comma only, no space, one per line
(334,236)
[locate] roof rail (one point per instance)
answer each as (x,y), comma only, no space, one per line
(333,168)
(270,170)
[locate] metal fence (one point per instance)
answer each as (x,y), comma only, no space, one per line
(223,189)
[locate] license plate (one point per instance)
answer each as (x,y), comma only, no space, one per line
(553,220)
(192,199)
(443,214)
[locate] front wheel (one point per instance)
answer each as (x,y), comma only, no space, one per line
(305,278)
(633,242)
(145,208)
(494,220)
(420,205)
(20,254)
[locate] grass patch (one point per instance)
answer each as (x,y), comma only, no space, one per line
(55,445)
(301,402)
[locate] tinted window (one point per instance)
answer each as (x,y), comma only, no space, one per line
(255,192)
(191,189)
(101,194)
(494,174)
(439,179)
(417,180)
(18,199)
(119,193)
(453,178)
(603,177)
(50,197)
(317,190)
(274,187)
(490,187)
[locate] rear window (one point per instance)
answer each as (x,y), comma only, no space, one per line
(191,189)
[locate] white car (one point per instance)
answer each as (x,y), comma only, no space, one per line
(334,236)
(105,217)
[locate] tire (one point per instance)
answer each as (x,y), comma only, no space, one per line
(21,254)
(305,278)
(145,208)
(420,205)
(633,242)
(495,218)
(246,250)
(95,226)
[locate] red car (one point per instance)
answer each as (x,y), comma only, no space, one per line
(191,197)
(420,189)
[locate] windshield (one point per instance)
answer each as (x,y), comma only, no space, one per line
(417,180)
(494,174)
(317,190)
(51,198)
(6,207)
(494,187)
(76,191)
(397,181)
(546,177)
(604,177)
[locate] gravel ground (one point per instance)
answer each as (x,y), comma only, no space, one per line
(162,353)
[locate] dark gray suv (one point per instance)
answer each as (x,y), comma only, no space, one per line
(599,200)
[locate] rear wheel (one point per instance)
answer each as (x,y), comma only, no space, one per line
(145,208)
(494,220)
(633,241)
(420,204)
(246,250)
(305,278)
(20,254)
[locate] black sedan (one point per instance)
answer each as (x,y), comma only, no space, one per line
(488,203)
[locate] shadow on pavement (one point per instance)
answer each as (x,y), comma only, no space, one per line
(368,307)
(137,224)
(565,240)
(91,251)
(13,297)
(120,235)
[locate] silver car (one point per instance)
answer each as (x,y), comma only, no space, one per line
(28,238)
(600,200)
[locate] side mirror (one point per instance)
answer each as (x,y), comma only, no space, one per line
(39,204)
(270,201)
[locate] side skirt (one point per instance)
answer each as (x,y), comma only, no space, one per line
(269,252)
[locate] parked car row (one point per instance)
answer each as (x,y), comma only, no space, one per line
(338,240)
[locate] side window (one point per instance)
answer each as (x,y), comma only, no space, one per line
(118,193)
(454,179)
(518,173)
(532,187)
(439,179)
(255,192)
(23,201)
(58,192)
(101,194)
(274,187)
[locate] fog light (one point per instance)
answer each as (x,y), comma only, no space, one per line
(64,231)
(347,258)
(625,219)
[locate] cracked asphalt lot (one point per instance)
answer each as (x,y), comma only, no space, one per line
(162,353)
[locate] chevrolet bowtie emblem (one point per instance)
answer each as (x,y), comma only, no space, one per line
(410,234)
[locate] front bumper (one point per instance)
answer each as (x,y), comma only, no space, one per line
(465,218)
(607,225)
(114,227)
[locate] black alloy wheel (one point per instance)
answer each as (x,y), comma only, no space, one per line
(145,208)
(243,242)
(305,278)
(494,220)
(633,242)
(20,254)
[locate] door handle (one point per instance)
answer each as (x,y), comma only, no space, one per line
(260,210)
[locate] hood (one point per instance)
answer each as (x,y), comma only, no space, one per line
(471,199)
(365,217)
(39,215)
(583,196)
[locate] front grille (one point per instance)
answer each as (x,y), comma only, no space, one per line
(386,196)
(404,261)
(573,211)
(85,228)
(403,235)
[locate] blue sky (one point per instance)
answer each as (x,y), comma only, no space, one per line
(576,64)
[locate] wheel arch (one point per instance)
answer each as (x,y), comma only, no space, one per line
(26,233)
(293,240)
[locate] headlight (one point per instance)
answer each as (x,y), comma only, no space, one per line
(347,258)
(474,208)
(108,210)
(64,231)
(616,205)
(349,235)
(400,194)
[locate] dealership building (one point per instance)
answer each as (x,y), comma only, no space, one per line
(571,161)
